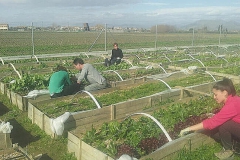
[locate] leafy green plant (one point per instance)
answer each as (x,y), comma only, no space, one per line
(201,153)
(133,131)
(28,83)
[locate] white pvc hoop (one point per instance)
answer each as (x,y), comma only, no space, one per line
(128,61)
(163,69)
(164,83)
(2,60)
(16,71)
(156,121)
(200,62)
(116,73)
(93,98)
(167,58)
(36,58)
(86,55)
(210,75)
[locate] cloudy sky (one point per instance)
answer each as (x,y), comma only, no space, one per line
(128,13)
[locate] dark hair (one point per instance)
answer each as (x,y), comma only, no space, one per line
(78,61)
(60,68)
(225,85)
(115,44)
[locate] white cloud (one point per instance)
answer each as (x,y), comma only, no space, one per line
(107,11)
(69,3)
(155,4)
(13,1)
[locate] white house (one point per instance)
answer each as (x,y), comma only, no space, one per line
(4,27)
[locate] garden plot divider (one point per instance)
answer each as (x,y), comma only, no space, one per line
(2,88)
(171,149)
(5,140)
(119,111)
(168,151)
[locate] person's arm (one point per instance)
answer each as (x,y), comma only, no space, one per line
(83,73)
(121,54)
(112,56)
(196,127)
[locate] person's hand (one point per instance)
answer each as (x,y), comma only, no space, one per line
(184,132)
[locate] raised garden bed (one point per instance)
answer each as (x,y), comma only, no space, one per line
(5,140)
(77,146)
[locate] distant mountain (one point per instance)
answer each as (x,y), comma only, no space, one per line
(212,25)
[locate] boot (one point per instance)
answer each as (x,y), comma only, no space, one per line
(225,155)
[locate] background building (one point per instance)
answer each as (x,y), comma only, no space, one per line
(4,27)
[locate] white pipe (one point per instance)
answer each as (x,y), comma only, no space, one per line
(200,62)
(191,56)
(86,55)
(2,60)
(16,71)
(163,69)
(211,75)
(96,102)
(93,98)
(167,58)
(156,121)
(36,58)
(128,62)
(197,60)
(164,83)
(116,73)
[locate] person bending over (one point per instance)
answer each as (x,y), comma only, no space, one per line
(90,74)
(60,83)
(226,123)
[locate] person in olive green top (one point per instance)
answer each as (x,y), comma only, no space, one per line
(60,83)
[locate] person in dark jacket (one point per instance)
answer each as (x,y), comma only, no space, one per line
(116,56)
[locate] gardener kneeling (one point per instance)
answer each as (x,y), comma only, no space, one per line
(226,123)
(60,83)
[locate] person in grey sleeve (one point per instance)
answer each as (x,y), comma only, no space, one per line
(90,74)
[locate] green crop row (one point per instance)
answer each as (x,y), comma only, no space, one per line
(131,132)
(55,110)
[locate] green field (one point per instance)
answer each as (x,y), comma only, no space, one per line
(26,43)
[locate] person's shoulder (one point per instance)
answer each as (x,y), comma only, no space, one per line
(87,65)
(63,72)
